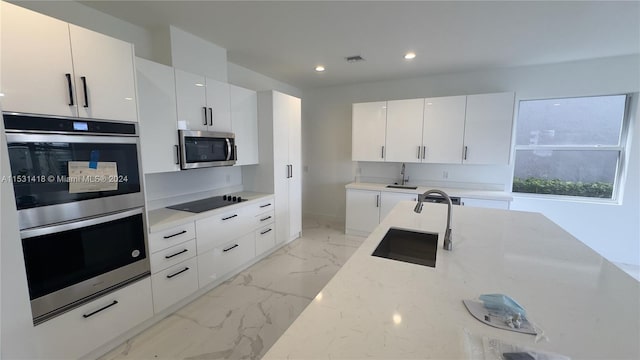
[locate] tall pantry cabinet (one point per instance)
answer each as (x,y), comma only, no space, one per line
(279,126)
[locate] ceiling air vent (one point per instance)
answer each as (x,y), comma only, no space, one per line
(353,59)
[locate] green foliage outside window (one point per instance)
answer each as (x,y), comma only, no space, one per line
(560,187)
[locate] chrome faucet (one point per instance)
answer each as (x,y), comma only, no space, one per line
(403,180)
(447,234)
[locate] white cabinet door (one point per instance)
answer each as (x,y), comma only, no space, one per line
(244,121)
(443,129)
(368,129)
(104,75)
(222,260)
(37,71)
(484,203)
(363,211)
(404,130)
(174,284)
(265,239)
(221,228)
(158,125)
(218,103)
(191,98)
(295,162)
(487,135)
(390,199)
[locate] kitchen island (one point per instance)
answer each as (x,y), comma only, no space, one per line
(380,308)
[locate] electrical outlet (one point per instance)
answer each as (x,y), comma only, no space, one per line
(228,178)
(445,174)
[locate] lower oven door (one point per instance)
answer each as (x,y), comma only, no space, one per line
(71,263)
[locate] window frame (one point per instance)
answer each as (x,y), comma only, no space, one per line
(621,149)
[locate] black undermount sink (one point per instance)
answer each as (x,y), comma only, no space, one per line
(402,187)
(408,246)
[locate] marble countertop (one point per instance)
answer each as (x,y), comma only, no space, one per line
(467,193)
(164,218)
(381,308)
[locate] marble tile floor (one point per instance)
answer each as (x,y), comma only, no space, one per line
(244,316)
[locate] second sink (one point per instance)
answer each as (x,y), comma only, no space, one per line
(402,187)
(408,246)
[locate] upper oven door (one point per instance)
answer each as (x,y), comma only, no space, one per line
(63,177)
(206,149)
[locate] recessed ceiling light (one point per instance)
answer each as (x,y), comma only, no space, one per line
(556,104)
(319,68)
(409,56)
(199,84)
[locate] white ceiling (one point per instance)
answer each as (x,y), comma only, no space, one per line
(286,40)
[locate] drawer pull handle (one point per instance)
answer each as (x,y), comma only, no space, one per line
(178,273)
(264,206)
(176,234)
(267,218)
(229,217)
(264,232)
(231,248)
(176,254)
(115,302)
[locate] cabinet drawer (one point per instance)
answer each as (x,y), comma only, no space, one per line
(223,259)
(265,239)
(170,237)
(173,255)
(174,284)
(262,206)
(96,323)
(264,219)
(221,229)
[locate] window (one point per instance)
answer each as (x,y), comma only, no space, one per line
(571,146)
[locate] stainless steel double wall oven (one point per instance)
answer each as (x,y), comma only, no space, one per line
(78,192)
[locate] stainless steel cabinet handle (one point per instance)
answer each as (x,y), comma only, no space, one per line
(86,94)
(424,152)
(178,273)
(419,151)
(115,302)
(382,153)
(377,200)
(206,119)
(211,116)
(176,234)
(176,254)
(230,248)
(71,103)
(465,153)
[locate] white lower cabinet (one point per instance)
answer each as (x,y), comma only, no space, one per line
(484,203)
(223,259)
(265,239)
(363,211)
(170,237)
(174,284)
(390,199)
(218,229)
(84,329)
(172,255)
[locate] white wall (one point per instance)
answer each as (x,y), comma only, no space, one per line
(612,230)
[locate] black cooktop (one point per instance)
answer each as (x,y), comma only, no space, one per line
(207,204)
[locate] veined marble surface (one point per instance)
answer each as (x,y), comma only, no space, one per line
(243,317)
(466,193)
(386,309)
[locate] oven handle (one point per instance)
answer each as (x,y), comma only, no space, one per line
(71,225)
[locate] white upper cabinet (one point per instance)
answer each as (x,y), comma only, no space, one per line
(218,103)
(487,135)
(244,120)
(191,98)
(158,126)
(203,103)
(404,130)
(46,64)
(104,76)
(37,71)
(369,121)
(443,129)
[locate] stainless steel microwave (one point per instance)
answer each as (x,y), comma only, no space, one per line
(200,149)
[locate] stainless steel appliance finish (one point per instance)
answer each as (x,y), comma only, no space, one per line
(69,263)
(40,149)
(79,241)
(199,149)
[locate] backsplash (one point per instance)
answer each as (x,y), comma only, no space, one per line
(478,177)
(165,189)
